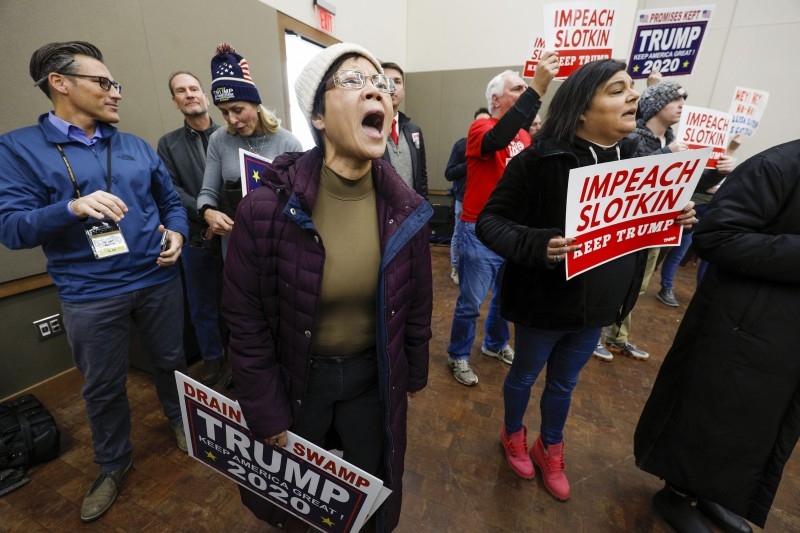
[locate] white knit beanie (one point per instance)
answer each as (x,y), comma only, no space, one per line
(310,78)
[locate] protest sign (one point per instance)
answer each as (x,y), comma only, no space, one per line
(700,127)
(619,207)
(747,107)
(580,32)
(307,481)
(251,167)
(667,40)
(536,49)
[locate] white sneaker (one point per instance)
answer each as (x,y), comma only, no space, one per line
(462,371)
(454,274)
(602,353)
(505,354)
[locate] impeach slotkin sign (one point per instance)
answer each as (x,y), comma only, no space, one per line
(747,107)
(700,127)
(580,31)
(311,483)
(536,48)
(667,40)
(619,207)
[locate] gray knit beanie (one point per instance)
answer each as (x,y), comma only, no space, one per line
(311,77)
(656,97)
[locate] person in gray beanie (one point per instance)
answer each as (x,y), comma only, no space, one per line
(656,97)
(315,349)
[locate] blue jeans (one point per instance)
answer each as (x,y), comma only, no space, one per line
(565,353)
(673,260)
(676,254)
(456,230)
(477,271)
(99,335)
(200,273)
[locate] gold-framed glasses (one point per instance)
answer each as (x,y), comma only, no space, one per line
(354,79)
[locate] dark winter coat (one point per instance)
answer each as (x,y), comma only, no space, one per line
(419,164)
(724,413)
(647,143)
(527,209)
(273,275)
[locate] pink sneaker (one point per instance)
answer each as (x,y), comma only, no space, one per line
(516,447)
(551,463)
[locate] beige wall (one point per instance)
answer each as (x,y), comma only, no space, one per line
(453,50)
(143,41)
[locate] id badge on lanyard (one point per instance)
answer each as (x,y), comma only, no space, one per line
(105,236)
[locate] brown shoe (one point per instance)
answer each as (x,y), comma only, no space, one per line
(210,372)
(102,493)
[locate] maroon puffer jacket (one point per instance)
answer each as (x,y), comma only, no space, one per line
(273,276)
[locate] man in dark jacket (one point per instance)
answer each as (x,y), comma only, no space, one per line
(184,154)
(456,171)
(724,413)
(405,149)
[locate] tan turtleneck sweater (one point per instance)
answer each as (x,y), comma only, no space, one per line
(346,216)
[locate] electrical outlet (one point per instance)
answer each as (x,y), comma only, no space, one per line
(49,327)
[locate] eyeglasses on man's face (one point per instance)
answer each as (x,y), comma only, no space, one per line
(354,79)
(104,83)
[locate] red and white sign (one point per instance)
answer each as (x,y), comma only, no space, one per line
(700,127)
(617,208)
(535,49)
(747,107)
(580,32)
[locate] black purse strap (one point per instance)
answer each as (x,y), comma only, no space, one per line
(27,435)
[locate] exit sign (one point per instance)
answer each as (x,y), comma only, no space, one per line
(324,20)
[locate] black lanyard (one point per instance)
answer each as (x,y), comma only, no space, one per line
(72,176)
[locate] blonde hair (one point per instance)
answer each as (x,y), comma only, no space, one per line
(269,121)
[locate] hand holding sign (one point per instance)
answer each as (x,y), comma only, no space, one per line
(546,70)
(558,247)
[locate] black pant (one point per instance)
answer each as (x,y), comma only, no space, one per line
(342,394)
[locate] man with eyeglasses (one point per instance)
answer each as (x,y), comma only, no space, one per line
(405,148)
(101,205)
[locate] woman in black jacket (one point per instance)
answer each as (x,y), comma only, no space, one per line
(724,413)
(557,322)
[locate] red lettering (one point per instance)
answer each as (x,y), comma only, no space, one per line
(584,217)
(202,397)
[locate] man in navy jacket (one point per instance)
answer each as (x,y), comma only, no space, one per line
(102,207)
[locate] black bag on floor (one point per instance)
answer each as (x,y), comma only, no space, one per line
(28,433)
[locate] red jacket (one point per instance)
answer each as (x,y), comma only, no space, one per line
(273,276)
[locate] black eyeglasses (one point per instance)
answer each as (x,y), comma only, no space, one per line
(353,79)
(56,71)
(104,83)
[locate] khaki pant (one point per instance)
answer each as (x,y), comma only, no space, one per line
(619,333)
